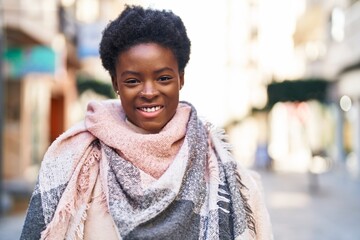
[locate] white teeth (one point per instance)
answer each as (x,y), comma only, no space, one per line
(151,109)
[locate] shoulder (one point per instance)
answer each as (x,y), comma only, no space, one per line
(255,195)
(63,154)
(251,177)
(69,140)
(250,182)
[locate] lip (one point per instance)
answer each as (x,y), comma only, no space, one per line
(153,110)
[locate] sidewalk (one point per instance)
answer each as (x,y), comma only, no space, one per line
(331,213)
(297,213)
(10,226)
(16,200)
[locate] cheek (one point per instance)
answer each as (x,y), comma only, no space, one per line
(175,94)
(126,102)
(127,94)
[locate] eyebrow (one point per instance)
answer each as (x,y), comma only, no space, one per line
(130,72)
(164,69)
(156,71)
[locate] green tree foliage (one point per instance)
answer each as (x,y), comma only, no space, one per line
(84,83)
(297,91)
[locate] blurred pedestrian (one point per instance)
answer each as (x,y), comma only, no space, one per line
(144,167)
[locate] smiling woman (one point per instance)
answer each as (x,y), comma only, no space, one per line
(144,166)
(148,82)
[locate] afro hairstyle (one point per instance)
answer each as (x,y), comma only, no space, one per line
(136,25)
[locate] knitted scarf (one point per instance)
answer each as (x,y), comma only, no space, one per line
(181,183)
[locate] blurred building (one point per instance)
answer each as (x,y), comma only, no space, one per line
(327,34)
(300,45)
(39,67)
(347,89)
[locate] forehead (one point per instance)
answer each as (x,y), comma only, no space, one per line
(146,53)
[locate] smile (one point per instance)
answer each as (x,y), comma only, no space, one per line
(150,109)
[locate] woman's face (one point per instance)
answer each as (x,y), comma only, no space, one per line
(148,81)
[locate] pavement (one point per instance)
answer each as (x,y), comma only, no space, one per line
(313,207)
(301,207)
(10,226)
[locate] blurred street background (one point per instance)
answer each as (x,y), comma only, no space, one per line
(282,77)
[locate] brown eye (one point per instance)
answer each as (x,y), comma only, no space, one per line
(131,81)
(164,78)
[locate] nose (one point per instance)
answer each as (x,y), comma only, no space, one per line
(149,90)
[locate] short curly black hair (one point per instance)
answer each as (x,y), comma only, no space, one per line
(137,25)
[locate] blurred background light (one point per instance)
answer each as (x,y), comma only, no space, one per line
(67,3)
(87,10)
(338,23)
(345,103)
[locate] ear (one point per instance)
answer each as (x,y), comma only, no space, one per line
(182,79)
(114,83)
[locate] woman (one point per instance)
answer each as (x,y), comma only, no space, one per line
(144,167)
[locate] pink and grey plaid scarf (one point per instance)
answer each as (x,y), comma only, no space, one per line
(181,183)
